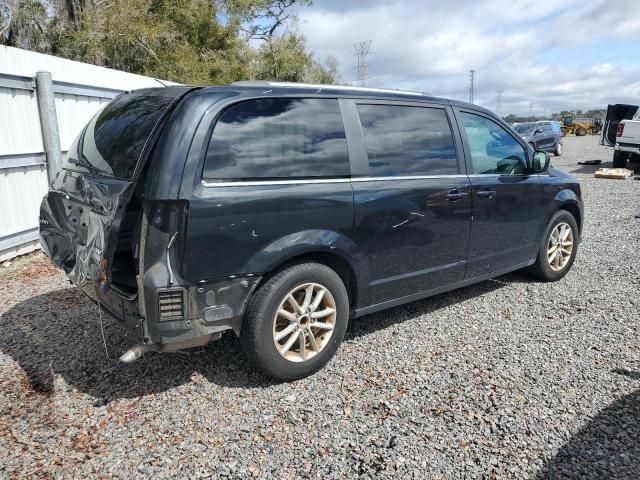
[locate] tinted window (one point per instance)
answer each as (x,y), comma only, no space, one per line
(112,142)
(408,140)
(524,128)
(546,127)
(278,138)
(493,149)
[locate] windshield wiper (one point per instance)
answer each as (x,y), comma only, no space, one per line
(84,163)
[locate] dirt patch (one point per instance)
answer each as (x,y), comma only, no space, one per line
(27,267)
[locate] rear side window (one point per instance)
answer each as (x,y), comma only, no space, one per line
(113,140)
(546,127)
(406,141)
(275,138)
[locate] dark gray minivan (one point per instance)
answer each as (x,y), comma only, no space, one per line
(542,135)
(279,211)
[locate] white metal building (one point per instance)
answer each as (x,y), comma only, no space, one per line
(80,90)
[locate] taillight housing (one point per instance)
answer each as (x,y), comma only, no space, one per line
(620,130)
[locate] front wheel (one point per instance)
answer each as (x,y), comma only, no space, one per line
(295,321)
(558,150)
(558,249)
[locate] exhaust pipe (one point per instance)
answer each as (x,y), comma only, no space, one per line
(137,351)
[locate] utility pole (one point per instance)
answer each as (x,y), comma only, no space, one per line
(531,109)
(49,123)
(499,105)
(471,75)
(362,67)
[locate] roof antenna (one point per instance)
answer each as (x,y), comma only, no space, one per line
(160,82)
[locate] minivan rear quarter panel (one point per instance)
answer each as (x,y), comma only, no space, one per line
(263,222)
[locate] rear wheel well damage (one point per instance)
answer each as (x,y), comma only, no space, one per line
(334,261)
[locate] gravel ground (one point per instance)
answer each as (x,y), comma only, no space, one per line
(505,379)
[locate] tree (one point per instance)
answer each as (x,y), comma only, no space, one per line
(285,58)
(261,19)
(187,41)
(23,24)
(180,40)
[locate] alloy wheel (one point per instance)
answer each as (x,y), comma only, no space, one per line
(304,322)
(560,246)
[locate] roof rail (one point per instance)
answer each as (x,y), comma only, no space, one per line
(320,86)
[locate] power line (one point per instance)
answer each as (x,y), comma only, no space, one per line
(362,67)
(471,75)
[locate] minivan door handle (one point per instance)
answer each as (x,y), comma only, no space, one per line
(454,195)
(486,194)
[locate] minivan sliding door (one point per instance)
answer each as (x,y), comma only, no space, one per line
(412,205)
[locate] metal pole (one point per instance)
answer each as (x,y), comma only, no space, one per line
(49,123)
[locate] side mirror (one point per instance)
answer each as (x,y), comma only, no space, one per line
(541,161)
(537,130)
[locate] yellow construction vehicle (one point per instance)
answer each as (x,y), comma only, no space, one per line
(580,126)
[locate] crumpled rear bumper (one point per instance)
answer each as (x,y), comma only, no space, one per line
(209,308)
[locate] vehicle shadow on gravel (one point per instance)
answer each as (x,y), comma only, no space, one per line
(58,333)
(386,318)
(606,447)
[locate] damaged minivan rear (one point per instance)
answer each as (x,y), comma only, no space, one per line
(115,228)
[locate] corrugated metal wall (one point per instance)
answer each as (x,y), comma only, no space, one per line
(80,91)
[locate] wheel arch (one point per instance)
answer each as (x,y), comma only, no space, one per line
(574,210)
(329,248)
(334,261)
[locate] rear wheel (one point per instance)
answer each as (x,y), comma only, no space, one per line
(295,321)
(581,132)
(619,159)
(558,249)
(558,150)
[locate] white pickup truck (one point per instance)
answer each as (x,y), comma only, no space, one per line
(624,120)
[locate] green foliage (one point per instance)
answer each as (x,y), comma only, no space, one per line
(23,24)
(286,59)
(186,41)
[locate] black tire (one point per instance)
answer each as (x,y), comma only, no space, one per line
(541,269)
(257,332)
(558,150)
(619,159)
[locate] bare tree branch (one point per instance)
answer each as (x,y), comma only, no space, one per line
(6,27)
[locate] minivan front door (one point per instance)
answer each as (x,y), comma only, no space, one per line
(412,211)
(546,138)
(507,202)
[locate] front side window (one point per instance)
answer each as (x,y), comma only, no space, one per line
(524,128)
(406,141)
(493,149)
(275,138)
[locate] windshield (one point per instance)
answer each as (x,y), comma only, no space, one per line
(524,128)
(112,142)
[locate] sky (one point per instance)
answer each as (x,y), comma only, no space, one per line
(544,56)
